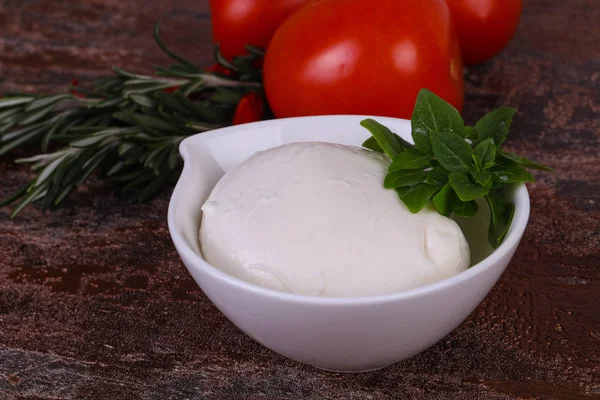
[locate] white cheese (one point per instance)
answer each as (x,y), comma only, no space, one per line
(314,219)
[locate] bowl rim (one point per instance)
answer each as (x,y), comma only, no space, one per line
(511,241)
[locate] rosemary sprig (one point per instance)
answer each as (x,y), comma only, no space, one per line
(126,131)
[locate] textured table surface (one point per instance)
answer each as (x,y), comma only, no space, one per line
(95,304)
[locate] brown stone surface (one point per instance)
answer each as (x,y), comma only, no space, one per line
(95,304)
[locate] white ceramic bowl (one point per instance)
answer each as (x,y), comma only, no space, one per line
(340,334)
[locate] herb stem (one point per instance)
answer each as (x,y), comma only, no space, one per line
(126,129)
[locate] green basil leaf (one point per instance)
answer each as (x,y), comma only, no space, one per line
(372,144)
(443,200)
(404,178)
(525,162)
(409,159)
(484,178)
(496,185)
(432,113)
(416,197)
(437,176)
(497,206)
(496,125)
(497,231)
(386,139)
(464,188)
(464,208)
(471,133)
(406,145)
(477,161)
(486,152)
(451,151)
(511,172)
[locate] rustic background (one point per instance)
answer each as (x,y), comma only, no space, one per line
(95,304)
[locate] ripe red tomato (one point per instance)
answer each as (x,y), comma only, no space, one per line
(249,109)
(484,27)
(236,23)
(363,57)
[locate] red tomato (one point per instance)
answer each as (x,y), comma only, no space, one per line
(363,57)
(218,69)
(484,27)
(236,23)
(249,109)
(74,92)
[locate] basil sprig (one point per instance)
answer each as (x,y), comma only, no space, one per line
(452,165)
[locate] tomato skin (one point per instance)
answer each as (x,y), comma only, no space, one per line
(236,23)
(219,69)
(249,109)
(351,57)
(484,27)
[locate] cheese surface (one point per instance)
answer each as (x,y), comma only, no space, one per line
(314,219)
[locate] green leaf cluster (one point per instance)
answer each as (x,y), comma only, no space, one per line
(126,131)
(451,165)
